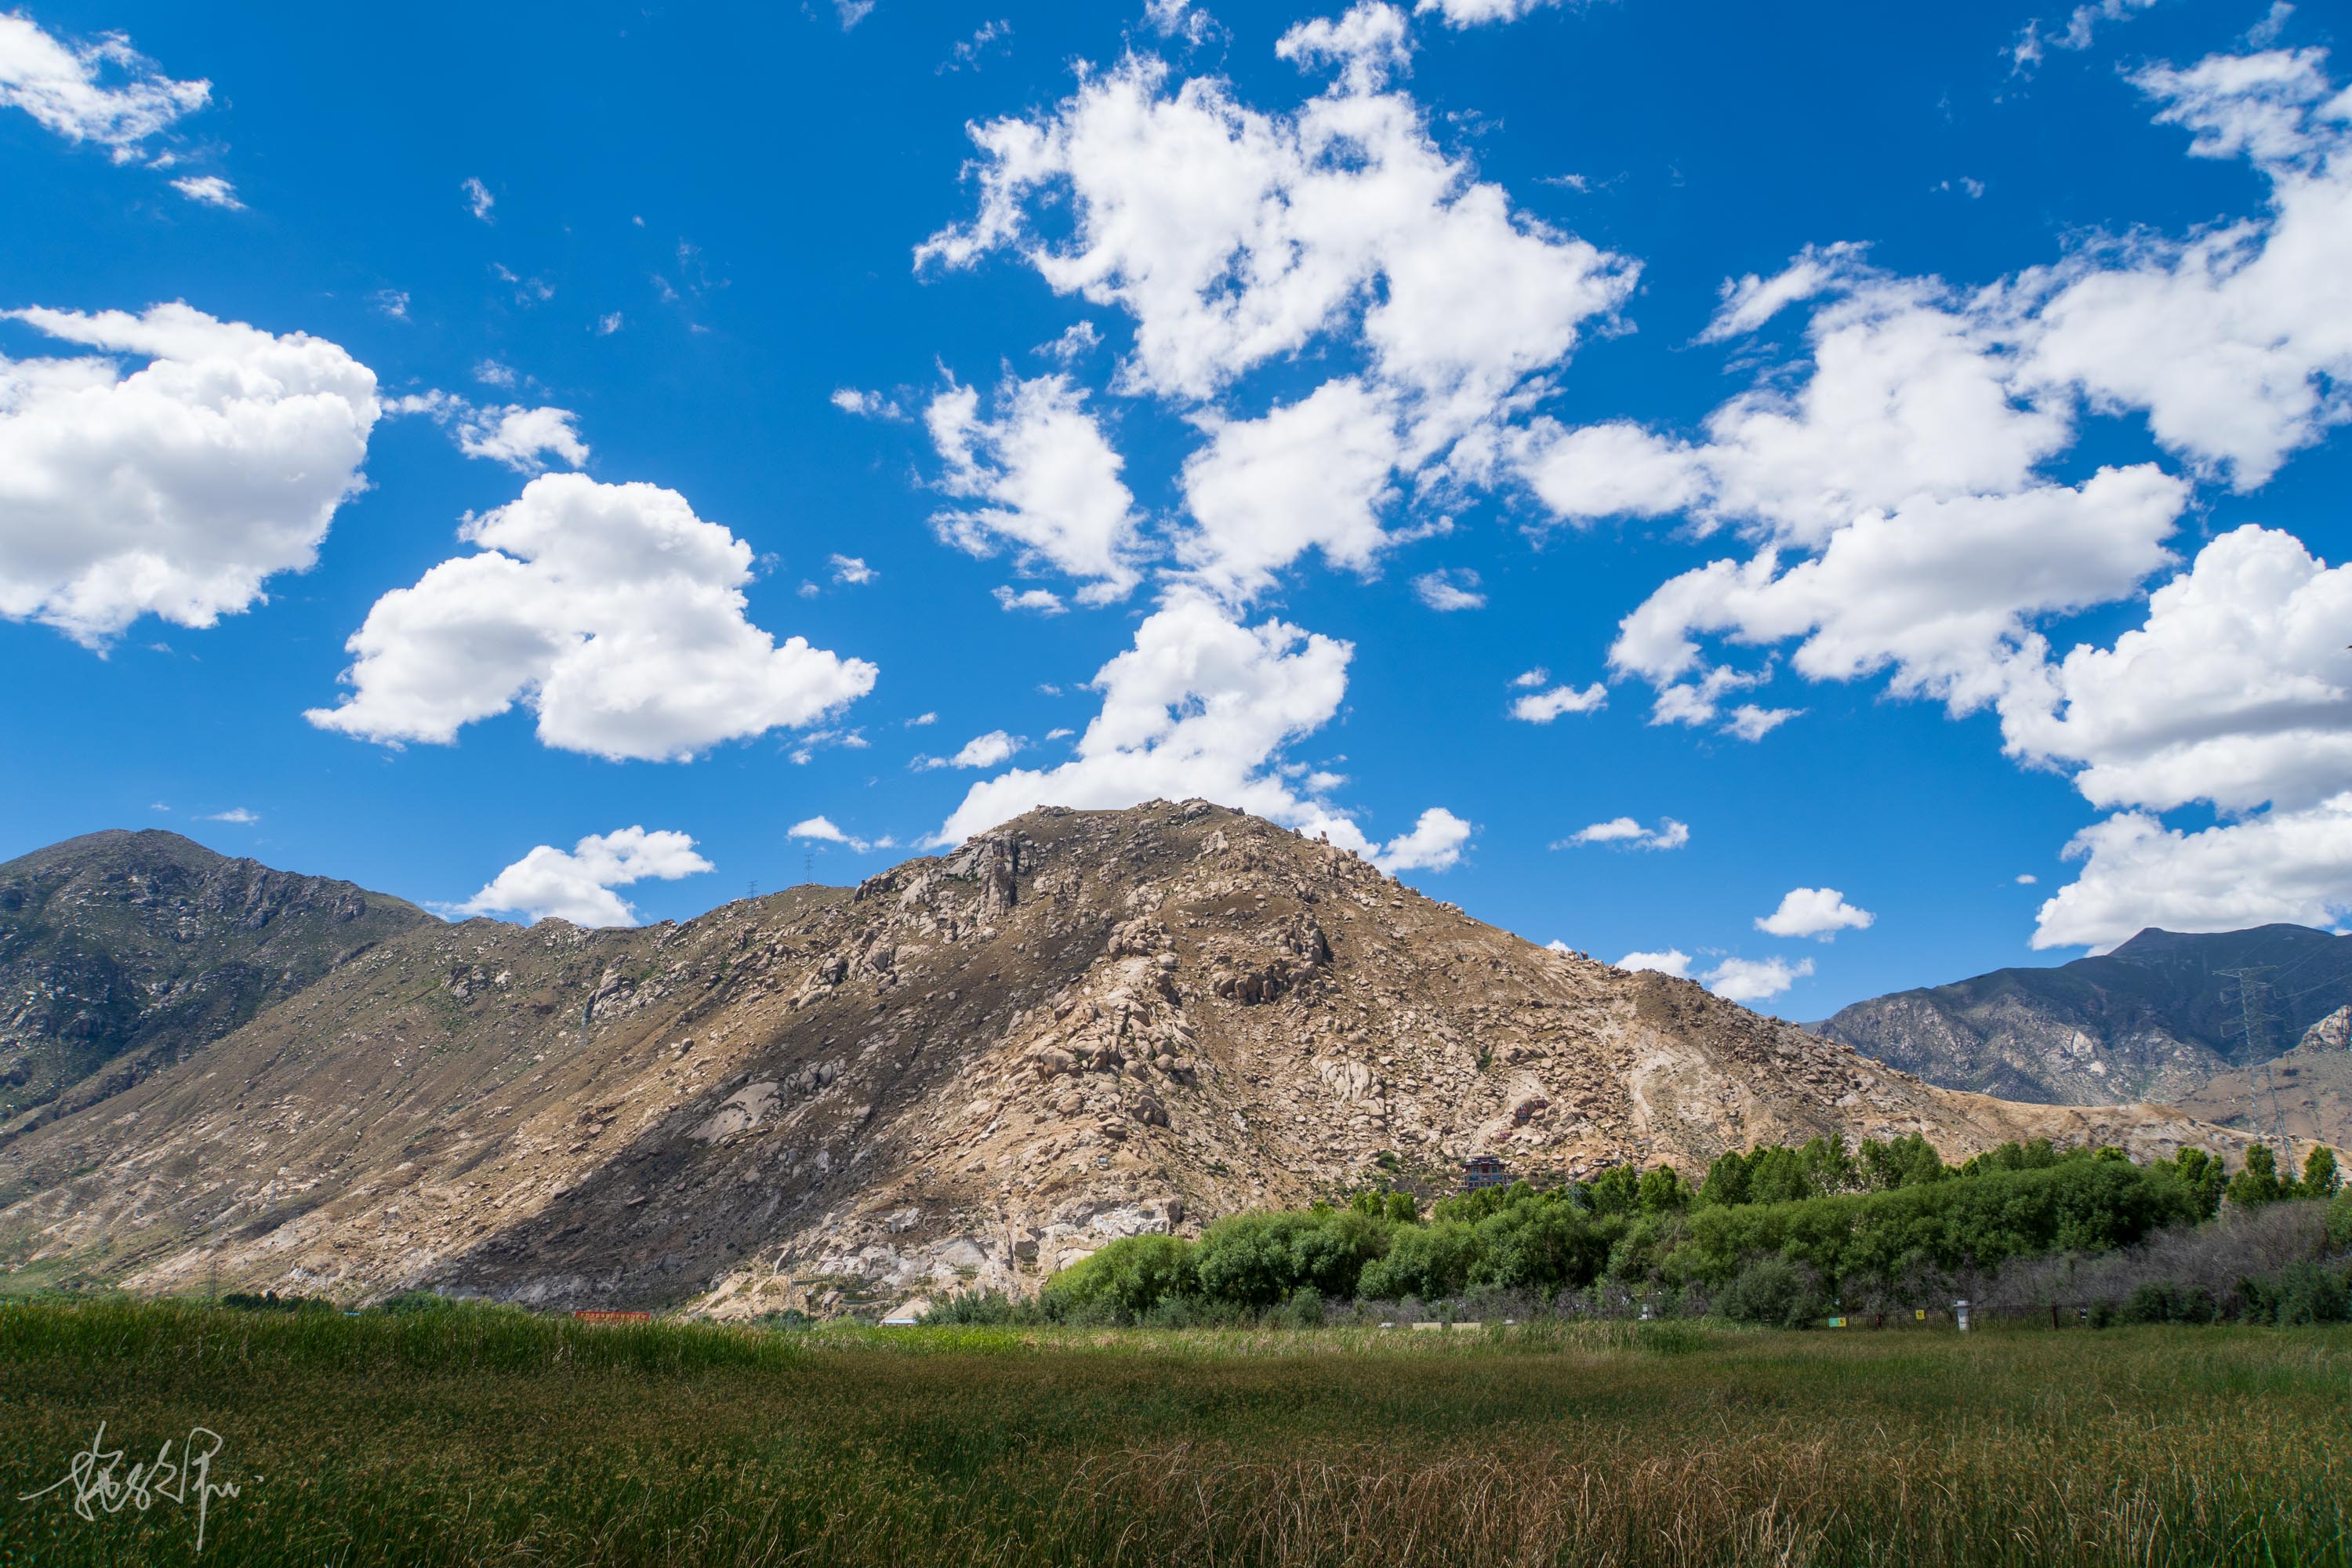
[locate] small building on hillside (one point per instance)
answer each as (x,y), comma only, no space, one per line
(1484,1171)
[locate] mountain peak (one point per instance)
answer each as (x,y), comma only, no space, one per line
(974,1065)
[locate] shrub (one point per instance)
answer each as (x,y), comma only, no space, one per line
(415,1301)
(2162,1301)
(2303,1293)
(1121,1281)
(2340,1222)
(272,1301)
(978,1308)
(1773,1292)
(1304,1309)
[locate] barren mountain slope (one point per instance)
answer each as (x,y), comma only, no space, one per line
(121,953)
(2307,1093)
(975,1067)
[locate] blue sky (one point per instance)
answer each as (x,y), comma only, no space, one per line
(1905,443)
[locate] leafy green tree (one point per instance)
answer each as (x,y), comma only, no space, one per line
(2320,1179)
(1726,1180)
(2258,1182)
(1662,1192)
(1617,1190)
(1909,1160)
(1259,1259)
(2201,1174)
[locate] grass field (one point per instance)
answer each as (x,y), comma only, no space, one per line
(483,1436)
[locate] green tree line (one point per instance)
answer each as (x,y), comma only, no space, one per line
(1774,1232)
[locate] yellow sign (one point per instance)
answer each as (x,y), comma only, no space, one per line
(1920,1313)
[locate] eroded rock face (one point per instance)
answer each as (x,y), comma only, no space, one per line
(969,1070)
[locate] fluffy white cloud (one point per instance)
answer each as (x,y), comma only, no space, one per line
(979,751)
(612,611)
(1232,237)
(2237,341)
(517,437)
(62,86)
(209,189)
(1048,480)
(479,200)
(508,434)
(851,571)
(1674,962)
(2237,689)
(1310,475)
(1449,590)
(236,814)
(1746,979)
(1942,593)
(577,885)
(1543,707)
(2281,866)
(1433,845)
(1628,832)
(179,488)
(1817,912)
(1198,706)
(1369,43)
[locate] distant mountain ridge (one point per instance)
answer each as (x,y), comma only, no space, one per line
(121,953)
(2159,1018)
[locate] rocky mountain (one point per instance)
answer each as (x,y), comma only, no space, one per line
(123,953)
(973,1067)
(2158,1018)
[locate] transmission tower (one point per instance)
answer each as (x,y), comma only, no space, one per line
(2256,1018)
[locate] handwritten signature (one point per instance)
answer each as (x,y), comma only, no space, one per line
(92,1478)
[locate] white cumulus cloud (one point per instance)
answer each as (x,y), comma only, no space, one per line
(1673,961)
(1817,912)
(612,611)
(1047,478)
(577,885)
(1746,979)
(2282,865)
(979,751)
(176,488)
(1434,844)
(1200,705)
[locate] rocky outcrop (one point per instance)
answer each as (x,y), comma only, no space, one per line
(970,1070)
